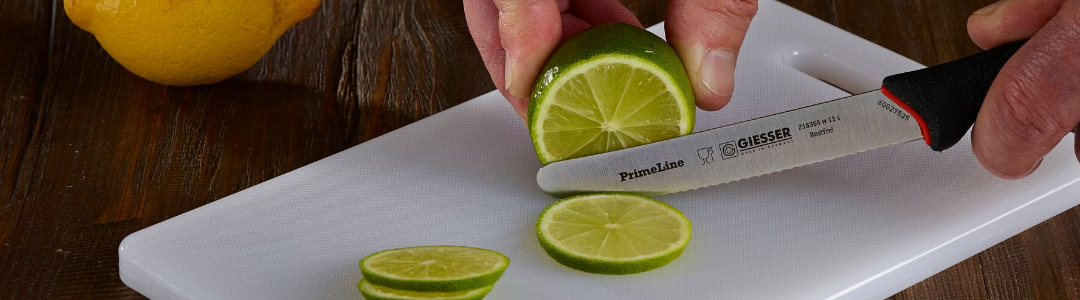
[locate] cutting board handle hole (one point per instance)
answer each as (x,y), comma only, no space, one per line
(837,70)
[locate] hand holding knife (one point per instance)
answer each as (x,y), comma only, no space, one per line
(937,104)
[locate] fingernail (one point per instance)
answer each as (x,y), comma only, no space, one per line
(718,72)
(1036,166)
(509,73)
(989,9)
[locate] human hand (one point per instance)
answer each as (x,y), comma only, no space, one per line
(516,37)
(1035,99)
(706,34)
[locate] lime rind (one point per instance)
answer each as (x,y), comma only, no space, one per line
(373,292)
(602,265)
(434,284)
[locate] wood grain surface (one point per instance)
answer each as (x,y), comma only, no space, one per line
(90,153)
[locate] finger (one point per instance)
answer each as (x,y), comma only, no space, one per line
(530,30)
(597,12)
(1076,142)
(707,34)
(571,25)
(1034,101)
(483,19)
(582,14)
(1009,21)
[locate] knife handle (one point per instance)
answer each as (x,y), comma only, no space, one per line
(945,99)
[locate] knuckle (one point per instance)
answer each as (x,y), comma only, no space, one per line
(736,8)
(1032,118)
(1030,15)
(687,10)
(1014,19)
(713,22)
(493,55)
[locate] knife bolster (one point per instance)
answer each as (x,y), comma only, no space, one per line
(946,98)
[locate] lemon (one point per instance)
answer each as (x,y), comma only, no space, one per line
(374,292)
(612,233)
(610,87)
(187,42)
(434,268)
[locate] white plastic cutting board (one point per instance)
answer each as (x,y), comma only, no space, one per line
(859,227)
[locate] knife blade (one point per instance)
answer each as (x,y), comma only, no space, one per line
(936,104)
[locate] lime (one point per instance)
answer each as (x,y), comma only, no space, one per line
(434,268)
(374,292)
(610,87)
(612,233)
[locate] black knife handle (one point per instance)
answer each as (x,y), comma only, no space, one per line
(945,99)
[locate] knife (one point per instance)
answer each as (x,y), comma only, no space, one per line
(937,105)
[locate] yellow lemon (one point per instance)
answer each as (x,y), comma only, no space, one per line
(187,42)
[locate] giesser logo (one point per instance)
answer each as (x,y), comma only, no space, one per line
(734,148)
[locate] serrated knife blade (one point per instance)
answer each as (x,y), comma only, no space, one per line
(742,150)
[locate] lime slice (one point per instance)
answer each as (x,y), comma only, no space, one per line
(374,292)
(612,233)
(610,87)
(434,268)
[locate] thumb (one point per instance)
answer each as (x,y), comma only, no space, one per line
(1009,21)
(1033,102)
(530,30)
(707,35)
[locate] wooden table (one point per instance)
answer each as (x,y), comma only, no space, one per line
(90,153)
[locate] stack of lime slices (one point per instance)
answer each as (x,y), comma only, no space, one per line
(431,272)
(610,87)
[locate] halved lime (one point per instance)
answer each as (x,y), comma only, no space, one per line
(612,233)
(610,87)
(374,292)
(434,268)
